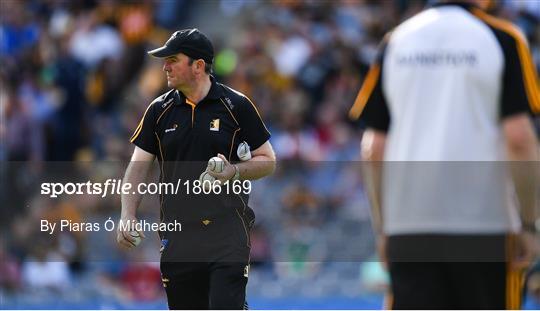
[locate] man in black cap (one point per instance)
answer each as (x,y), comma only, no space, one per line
(206,265)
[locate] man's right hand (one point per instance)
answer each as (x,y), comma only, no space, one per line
(123,237)
(527,250)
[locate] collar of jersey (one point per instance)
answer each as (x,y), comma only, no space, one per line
(215,92)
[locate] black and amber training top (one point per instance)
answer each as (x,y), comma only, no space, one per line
(184,136)
(175,129)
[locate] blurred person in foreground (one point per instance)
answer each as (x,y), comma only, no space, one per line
(453,87)
(206,264)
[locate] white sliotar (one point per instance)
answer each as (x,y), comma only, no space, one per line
(215,164)
(137,236)
(243,151)
(206,180)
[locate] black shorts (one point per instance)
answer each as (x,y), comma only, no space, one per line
(204,285)
(453,272)
(205,266)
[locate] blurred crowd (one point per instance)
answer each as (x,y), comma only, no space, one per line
(75,79)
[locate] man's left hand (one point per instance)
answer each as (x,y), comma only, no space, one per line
(228,170)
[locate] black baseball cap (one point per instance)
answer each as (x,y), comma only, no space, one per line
(191,42)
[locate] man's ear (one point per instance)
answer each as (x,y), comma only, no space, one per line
(200,64)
